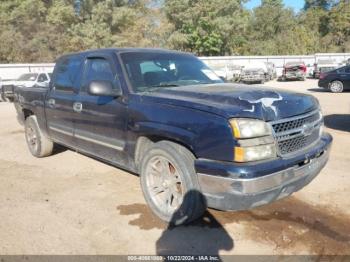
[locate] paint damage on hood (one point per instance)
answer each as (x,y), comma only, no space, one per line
(235,100)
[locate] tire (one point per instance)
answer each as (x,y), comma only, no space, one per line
(38,144)
(174,196)
(336,86)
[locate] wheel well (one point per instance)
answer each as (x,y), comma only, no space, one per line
(145,142)
(26,113)
(331,81)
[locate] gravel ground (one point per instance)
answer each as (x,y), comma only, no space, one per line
(72,204)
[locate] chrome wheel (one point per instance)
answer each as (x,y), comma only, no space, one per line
(32,138)
(164,184)
(336,86)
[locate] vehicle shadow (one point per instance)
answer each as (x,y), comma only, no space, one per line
(319,90)
(338,122)
(287,225)
(58,149)
(204,236)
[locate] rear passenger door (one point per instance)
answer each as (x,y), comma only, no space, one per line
(100,127)
(60,99)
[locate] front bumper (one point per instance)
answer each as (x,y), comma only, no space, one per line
(294,75)
(237,190)
(252,78)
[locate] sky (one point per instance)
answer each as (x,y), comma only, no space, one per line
(295,4)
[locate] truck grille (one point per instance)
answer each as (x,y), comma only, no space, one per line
(297,133)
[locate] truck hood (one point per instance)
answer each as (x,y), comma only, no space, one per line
(25,83)
(234,100)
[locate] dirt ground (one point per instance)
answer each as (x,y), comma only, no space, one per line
(72,204)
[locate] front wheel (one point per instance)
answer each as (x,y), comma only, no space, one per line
(336,86)
(170,185)
(39,145)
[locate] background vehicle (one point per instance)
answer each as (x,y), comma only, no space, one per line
(25,80)
(254,73)
(294,71)
(323,66)
(271,70)
(235,72)
(337,80)
(195,141)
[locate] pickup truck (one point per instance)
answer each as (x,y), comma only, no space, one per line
(195,141)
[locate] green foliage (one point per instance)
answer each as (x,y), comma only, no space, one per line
(41,30)
(214,27)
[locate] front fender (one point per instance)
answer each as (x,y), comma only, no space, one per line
(169,132)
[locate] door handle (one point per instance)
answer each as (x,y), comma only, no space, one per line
(77,107)
(51,102)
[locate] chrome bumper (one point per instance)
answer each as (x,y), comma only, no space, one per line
(237,193)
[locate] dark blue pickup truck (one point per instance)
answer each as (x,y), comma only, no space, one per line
(195,141)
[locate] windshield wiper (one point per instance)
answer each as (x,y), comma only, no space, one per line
(165,85)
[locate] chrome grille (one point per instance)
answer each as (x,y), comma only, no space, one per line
(297,133)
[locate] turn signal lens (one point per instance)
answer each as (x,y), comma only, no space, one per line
(254,153)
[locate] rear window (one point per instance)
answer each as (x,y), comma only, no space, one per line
(67,72)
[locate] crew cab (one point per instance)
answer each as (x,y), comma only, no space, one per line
(195,141)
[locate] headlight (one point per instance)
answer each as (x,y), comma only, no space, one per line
(254,153)
(254,139)
(249,128)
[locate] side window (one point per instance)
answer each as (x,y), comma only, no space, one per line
(97,69)
(42,78)
(66,73)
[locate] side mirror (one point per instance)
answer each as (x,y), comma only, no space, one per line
(103,88)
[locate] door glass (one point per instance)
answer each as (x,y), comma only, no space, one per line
(42,78)
(67,72)
(98,69)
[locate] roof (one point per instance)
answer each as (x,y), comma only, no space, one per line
(124,50)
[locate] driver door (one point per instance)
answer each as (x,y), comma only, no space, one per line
(100,127)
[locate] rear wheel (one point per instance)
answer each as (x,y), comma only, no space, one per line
(170,185)
(39,145)
(336,86)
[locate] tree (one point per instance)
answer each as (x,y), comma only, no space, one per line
(324,4)
(207,27)
(339,26)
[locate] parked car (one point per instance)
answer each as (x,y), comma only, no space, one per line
(271,71)
(336,80)
(235,72)
(25,80)
(196,141)
(323,66)
(254,73)
(294,71)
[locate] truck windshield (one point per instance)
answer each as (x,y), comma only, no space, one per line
(28,77)
(152,71)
